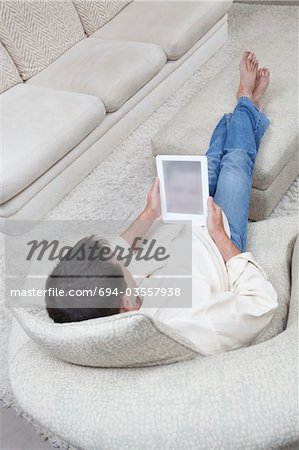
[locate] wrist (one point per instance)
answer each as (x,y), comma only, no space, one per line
(226,247)
(220,237)
(148,214)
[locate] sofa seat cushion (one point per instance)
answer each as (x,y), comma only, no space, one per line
(111,70)
(9,75)
(190,130)
(39,126)
(95,13)
(36,32)
(174,25)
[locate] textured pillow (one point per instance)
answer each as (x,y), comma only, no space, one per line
(124,340)
(37,32)
(9,75)
(95,13)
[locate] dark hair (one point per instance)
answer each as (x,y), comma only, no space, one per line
(78,272)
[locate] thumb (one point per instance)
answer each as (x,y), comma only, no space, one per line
(211,203)
(156,184)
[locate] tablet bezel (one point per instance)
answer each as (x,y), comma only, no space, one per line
(197,218)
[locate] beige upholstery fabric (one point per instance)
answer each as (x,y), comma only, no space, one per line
(39,127)
(275,253)
(59,179)
(263,202)
(127,340)
(190,130)
(111,70)
(245,399)
(37,32)
(9,75)
(95,13)
(174,25)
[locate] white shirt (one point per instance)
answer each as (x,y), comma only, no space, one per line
(231,303)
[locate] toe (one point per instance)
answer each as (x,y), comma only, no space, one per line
(253,62)
(259,73)
(249,61)
(244,57)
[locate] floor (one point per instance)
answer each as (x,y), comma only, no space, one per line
(18,434)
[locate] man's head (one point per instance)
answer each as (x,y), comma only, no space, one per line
(87,285)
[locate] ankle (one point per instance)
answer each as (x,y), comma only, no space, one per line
(256,102)
(244,94)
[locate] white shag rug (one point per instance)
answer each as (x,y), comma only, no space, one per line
(117,188)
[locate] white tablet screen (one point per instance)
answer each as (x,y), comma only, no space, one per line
(183,187)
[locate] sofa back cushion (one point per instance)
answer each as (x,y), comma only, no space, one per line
(37,32)
(9,75)
(95,13)
(123,340)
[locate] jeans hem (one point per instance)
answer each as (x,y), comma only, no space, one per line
(262,121)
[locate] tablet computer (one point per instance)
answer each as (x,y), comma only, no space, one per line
(184,187)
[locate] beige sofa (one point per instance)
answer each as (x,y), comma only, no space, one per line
(79,76)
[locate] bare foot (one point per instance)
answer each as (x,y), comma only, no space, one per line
(261,84)
(248,73)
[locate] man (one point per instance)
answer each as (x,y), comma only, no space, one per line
(232,300)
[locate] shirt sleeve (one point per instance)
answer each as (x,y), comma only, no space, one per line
(118,241)
(115,242)
(240,314)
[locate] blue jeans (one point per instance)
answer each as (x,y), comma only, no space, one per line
(231,157)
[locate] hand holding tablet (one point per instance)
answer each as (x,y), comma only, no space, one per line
(184,187)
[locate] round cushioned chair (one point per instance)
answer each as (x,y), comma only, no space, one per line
(244,399)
